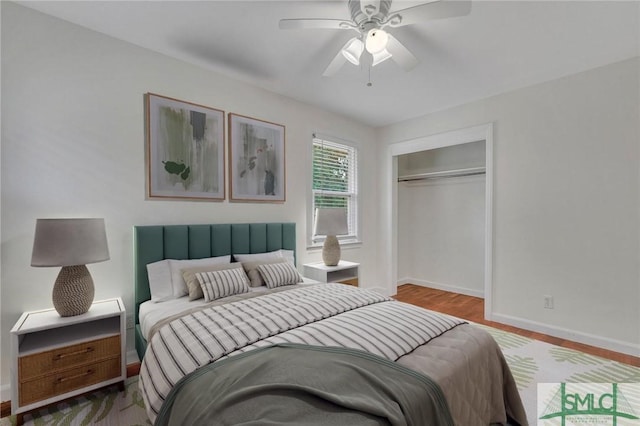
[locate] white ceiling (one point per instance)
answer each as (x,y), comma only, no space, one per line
(500,46)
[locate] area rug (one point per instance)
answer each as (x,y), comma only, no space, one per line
(107,407)
(531,362)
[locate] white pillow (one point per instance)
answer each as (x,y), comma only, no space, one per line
(219,284)
(272,255)
(160,286)
(178,283)
(289,255)
(258,257)
(279,274)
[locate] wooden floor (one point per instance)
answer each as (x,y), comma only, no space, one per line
(472,309)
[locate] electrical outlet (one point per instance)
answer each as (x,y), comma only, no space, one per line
(548,302)
(130,321)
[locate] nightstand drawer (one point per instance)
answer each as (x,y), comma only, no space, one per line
(68,380)
(48,362)
(353,282)
(55,358)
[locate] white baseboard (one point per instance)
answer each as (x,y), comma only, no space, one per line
(575,336)
(440,286)
(5,393)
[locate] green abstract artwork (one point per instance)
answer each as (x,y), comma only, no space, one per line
(185,150)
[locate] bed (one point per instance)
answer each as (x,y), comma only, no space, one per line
(185,339)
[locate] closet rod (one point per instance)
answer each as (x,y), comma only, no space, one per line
(443,174)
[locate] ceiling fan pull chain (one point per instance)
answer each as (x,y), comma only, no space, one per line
(369,84)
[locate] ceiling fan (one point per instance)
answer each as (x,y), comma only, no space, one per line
(370,19)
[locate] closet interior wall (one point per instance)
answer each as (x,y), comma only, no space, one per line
(441,218)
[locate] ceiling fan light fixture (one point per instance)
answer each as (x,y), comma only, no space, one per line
(377,40)
(380,57)
(369,18)
(352,50)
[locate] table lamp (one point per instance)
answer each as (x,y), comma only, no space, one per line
(331,222)
(71,244)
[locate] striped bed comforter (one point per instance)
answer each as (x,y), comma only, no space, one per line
(325,315)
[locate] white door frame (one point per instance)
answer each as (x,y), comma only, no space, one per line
(457,137)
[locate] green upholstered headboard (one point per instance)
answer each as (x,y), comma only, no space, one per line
(157,242)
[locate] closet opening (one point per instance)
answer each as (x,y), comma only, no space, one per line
(441,212)
(441,218)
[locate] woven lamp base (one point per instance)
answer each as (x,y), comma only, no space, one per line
(73,291)
(331,251)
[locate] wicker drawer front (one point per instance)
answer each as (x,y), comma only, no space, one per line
(48,362)
(68,380)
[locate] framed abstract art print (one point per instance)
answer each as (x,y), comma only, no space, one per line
(185,150)
(256,160)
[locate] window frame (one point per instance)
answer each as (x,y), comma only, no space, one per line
(354,195)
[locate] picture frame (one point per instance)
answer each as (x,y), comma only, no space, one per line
(185,150)
(257,171)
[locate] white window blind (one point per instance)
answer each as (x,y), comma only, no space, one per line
(335,182)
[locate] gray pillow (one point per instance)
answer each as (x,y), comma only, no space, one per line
(193,285)
(251,268)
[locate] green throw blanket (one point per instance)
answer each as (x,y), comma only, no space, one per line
(290,384)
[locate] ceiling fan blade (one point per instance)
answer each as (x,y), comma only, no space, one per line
(295,24)
(335,64)
(400,54)
(438,9)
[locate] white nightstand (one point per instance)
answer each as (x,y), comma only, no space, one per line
(344,272)
(54,357)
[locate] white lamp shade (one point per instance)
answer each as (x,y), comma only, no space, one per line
(331,221)
(379,57)
(69,242)
(376,41)
(352,50)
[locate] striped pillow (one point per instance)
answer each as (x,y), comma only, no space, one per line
(279,274)
(251,269)
(189,275)
(227,282)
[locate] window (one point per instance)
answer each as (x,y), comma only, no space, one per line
(335,183)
